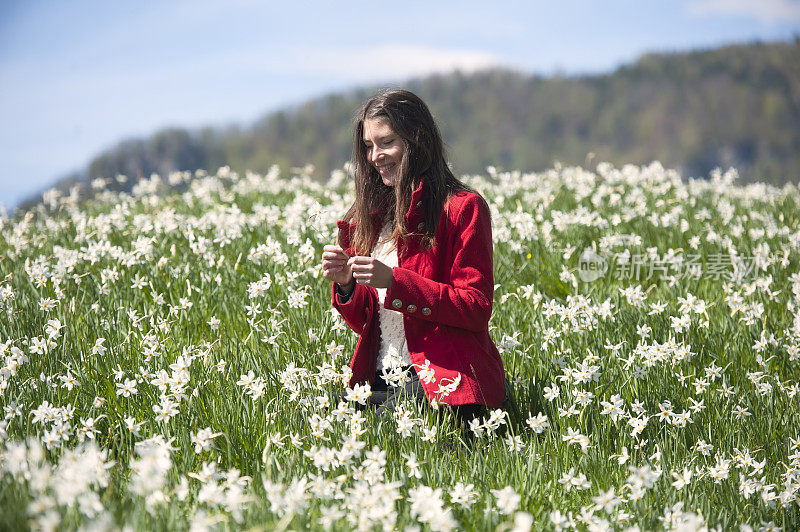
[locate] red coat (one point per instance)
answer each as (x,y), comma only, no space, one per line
(445,295)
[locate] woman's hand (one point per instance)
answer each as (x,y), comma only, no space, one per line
(335,266)
(370,272)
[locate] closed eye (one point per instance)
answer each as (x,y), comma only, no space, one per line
(383,142)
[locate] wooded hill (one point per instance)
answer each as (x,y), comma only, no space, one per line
(731,106)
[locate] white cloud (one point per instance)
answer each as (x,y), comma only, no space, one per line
(373,63)
(765,10)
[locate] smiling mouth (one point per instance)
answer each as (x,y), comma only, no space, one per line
(386,168)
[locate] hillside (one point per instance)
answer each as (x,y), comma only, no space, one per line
(731,106)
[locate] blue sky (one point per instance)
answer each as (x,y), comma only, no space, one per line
(76,77)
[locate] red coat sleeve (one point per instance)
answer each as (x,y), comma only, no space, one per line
(465,302)
(357,311)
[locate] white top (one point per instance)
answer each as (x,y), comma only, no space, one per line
(393,351)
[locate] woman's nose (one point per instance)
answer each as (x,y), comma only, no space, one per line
(375,154)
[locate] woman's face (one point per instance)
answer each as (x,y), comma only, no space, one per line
(384,149)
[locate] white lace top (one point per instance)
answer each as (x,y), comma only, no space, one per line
(393,351)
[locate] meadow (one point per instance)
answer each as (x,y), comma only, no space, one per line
(170,360)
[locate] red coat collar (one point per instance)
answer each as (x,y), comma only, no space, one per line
(415,213)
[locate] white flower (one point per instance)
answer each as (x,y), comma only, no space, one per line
(539,423)
(682,479)
(507,500)
(719,471)
(523,522)
(202,439)
(428,508)
(47,304)
(573,437)
(514,443)
(613,407)
(334,350)
(680,323)
(607,501)
(425,372)
(166,409)
(149,470)
(132,426)
(463,494)
(572,480)
(297,298)
(704,448)
(127,388)
(551,392)
(99,349)
(429,433)
(622,457)
(637,425)
(413,465)
(476,427)
(69,381)
(53,329)
(496,418)
(359,393)
(643,476)
(561,521)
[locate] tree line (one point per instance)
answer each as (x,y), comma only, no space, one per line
(735,105)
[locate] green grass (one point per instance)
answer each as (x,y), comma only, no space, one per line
(196,258)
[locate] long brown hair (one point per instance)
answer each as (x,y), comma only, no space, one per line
(424,155)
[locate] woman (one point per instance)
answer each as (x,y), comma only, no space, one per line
(413,272)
